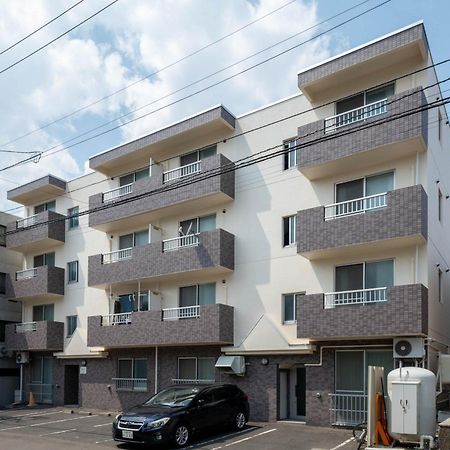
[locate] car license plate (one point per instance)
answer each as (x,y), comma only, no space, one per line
(127,434)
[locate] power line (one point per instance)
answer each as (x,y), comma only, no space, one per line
(40,28)
(151,75)
(245,162)
(56,38)
(200,90)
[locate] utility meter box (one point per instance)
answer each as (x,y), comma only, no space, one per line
(405,411)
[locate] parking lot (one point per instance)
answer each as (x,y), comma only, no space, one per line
(58,428)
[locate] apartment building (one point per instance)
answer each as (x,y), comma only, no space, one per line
(287,277)
(10,312)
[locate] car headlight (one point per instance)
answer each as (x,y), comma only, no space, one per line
(117,418)
(156,423)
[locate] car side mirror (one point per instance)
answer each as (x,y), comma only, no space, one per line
(200,402)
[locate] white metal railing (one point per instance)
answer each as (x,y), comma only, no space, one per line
(185,312)
(118,192)
(190,240)
(131,384)
(348,409)
(355,206)
(26,222)
(116,319)
(27,273)
(356,297)
(26,327)
(118,255)
(191,381)
(183,171)
(355,115)
(43,392)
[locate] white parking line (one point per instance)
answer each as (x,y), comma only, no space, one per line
(343,443)
(218,438)
(46,423)
(58,432)
(30,415)
(245,439)
(103,425)
(106,440)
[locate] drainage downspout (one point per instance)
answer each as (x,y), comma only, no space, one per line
(21,365)
(156,370)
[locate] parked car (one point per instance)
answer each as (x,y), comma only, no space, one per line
(178,412)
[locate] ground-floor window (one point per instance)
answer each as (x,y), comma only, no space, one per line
(196,370)
(41,384)
(131,374)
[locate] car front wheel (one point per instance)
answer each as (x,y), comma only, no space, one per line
(182,435)
(239,420)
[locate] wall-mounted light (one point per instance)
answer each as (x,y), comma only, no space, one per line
(438,264)
(264,361)
(84,363)
(447,270)
(224,211)
(447,197)
(437,181)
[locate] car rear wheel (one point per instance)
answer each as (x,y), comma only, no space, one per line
(182,435)
(239,420)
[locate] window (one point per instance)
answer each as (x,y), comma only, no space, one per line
(439,205)
(2,236)
(72,272)
(132,302)
(132,374)
(364,187)
(48,206)
(47,259)
(133,177)
(290,308)
(199,294)
(43,312)
(135,239)
(2,283)
(3,324)
(440,287)
(367,275)
(290,155)
(197,225)
(289,230)
(74,220)
(190,158)
(196,369)
(71,325)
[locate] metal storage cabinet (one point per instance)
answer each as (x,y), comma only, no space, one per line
(405,409)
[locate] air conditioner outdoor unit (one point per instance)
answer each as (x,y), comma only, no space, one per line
(409,348)
(231,364)
(22,357)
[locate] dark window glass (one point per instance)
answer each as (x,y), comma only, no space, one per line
(2,283)
(72,272)
(349,278)
(356,101)
(126,179)
(375,95)
(189,158)
(208,152)
(39,208)
(188,227)
(188,296)
(126,241)
(2,235)
(71,325)
(74,220)
(349,190)
(38,260)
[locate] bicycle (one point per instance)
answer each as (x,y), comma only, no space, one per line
(360,434)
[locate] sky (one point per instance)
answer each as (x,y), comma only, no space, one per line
(133,39)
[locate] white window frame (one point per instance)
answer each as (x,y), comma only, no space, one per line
(77,265)
(67,325)
(196,358)
(197,221)
(283,296)
(132,366)
(287,145)
(292,230)
(70,225)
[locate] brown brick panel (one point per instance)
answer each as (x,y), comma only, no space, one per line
(405,215)
(48,336)
(48,281)
(404,128)
(404,313)
(222,183)
(214,326)
(56,230)
(216,249)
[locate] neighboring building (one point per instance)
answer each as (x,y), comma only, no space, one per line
(308,264)
(10,312)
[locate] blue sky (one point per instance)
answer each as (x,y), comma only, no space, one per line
(136,37)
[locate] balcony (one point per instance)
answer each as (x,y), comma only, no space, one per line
(38,191)
(381,312)
(193,325)
(35,336)
(38,233)
(394,219)
(328,147)
(163,194)
(42,283)
(209,252)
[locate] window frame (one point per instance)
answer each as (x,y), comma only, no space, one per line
(283,308)
(294,242)
(197,292)
(2,283)
(134,237)
(133,369)
(134,176)
(196,358)
(69,281)
(2,235)
(69,325)
(286,156)
(45,205)
(73,221)
(197,223)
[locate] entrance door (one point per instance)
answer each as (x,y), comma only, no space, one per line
(71,382)
(283,395)
(297,393)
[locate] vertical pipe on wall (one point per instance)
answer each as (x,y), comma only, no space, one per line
(156,370)
(21,382)
(416,266)
(416,181)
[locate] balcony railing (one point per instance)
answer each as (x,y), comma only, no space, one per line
(348,409)
(355,115)
(185,312)
(189,240)
(26,327)
(191,381)
(131,384)
(25,274)
(118,192)
(355,206)
(182,171)
(118,255)
(116,319)
(26,222)
(43,393)
(356,297)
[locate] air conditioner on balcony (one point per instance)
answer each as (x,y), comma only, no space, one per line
(234,365)
(409,348)
(22,357)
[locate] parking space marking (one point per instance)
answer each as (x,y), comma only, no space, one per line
(58,432)
(223,436)
(106,440)
(46,423)
(30,415)
(103,425)
(245,439)
(343,443)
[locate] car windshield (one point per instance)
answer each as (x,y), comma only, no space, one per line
(173,397)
